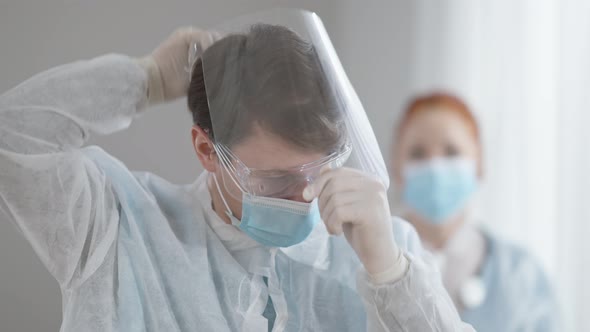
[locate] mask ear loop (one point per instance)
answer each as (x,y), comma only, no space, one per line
(228,212)
(225,164)
(228,165)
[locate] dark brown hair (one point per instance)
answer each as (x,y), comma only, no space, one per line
(274,75)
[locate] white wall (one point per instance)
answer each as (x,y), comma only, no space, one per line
(371,38)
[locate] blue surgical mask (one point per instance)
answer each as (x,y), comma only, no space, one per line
(440,188)
(274,222)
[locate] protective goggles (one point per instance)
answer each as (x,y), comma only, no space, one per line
(284,183)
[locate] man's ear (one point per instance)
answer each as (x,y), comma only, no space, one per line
(204,148)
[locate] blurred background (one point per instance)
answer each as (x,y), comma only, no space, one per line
(522,66)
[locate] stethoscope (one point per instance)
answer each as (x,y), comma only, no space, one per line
(472,293)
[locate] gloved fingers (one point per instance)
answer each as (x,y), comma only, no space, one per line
(335,202)
(340,216)
(327,175)
(339,185)
(191,35)
(197,46)
(203,40)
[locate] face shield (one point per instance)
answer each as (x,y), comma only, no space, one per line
(274,79)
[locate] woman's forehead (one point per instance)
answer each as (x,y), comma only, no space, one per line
(437,125)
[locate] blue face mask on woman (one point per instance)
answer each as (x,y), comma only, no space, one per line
(274,222)
(440,188)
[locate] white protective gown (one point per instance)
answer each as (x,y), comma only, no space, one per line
(133,252)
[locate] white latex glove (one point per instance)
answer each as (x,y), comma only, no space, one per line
(355,203)
(167,65)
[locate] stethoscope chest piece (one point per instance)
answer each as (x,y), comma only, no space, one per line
(472,292)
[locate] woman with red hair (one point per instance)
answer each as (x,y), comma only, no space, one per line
(437,166)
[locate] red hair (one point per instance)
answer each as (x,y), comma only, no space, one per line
(429,101)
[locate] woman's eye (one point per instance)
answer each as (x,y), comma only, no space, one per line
(451,151)
(417,153)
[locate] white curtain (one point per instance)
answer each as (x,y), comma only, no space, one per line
(573,231)
(524,68)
